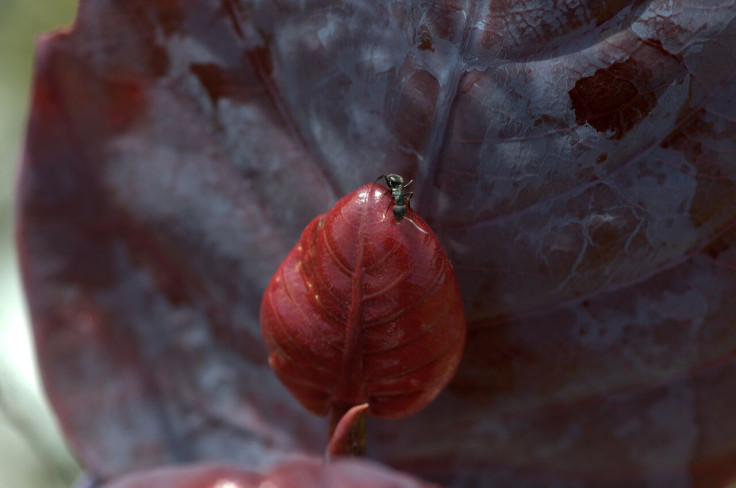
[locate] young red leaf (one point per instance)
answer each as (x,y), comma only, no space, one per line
(365,309)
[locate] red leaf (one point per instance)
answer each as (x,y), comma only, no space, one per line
(365,309)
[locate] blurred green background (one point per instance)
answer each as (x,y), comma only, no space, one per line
(32,454)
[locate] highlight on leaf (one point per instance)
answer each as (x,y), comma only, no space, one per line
(302,473)
(364,309)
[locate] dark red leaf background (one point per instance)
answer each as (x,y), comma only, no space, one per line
(575,159)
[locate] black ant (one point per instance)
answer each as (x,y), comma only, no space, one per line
(401,199)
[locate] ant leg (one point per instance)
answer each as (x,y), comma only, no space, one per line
(390,204)
(408,196)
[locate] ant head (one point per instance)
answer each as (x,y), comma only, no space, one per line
(394,181)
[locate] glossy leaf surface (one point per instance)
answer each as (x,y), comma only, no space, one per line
(574,158)
(304,473)
(365,309)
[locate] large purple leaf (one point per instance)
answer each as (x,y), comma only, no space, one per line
(575,159)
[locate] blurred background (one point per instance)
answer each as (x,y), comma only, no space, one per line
(32,453)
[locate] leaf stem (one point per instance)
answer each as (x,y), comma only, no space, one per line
(347,430)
